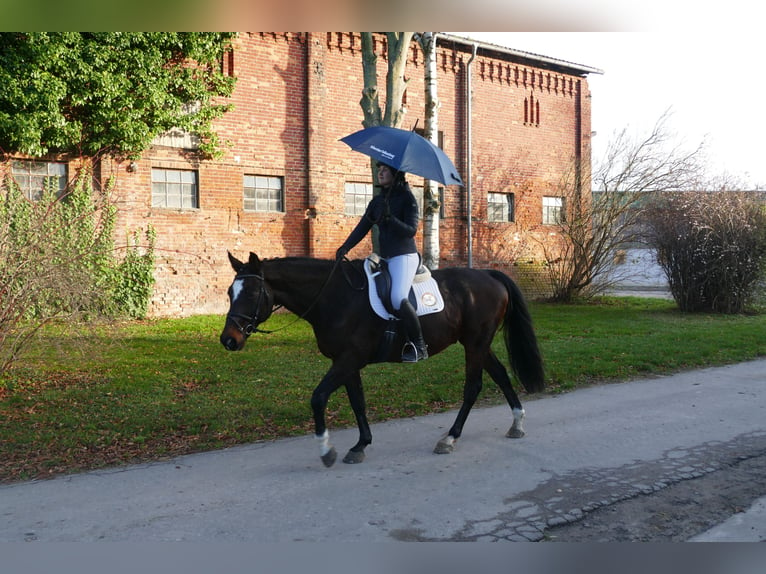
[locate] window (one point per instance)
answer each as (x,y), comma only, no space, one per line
(553,210)
(33,177)
(357,196)
(500,207)
(264,193)
(441,203)
(417,191)
(178,138)
(174,188)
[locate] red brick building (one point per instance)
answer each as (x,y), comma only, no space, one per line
(286,185)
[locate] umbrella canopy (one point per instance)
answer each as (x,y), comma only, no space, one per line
(405,151)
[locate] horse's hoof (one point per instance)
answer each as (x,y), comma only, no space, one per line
(515,433)
(354,457)
(329,457)
(445,446)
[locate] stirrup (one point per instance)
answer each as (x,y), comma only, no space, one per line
(412,354)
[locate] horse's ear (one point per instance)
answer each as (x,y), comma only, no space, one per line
(235,263)
(254,263)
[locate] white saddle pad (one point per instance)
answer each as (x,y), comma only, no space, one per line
(429,298)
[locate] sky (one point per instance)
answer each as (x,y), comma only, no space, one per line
(711,82)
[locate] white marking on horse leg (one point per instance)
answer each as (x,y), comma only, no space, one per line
(445,445)
(324,442)
(517,428)
(236,289)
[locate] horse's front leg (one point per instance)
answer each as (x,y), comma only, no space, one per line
(319,399)
(356,398)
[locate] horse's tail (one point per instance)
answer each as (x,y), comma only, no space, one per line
(520,339)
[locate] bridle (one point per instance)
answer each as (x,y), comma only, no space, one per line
(251,325)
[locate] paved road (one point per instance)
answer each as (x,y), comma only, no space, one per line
(585,452)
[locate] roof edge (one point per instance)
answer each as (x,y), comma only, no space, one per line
(546,61)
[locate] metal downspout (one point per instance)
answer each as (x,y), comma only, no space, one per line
(310,215)
(469,153)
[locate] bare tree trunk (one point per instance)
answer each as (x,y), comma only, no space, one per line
(370,103)
(430,188)
(398,50)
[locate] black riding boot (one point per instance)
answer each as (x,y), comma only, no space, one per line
(415,348)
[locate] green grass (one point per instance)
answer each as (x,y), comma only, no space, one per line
(101,396)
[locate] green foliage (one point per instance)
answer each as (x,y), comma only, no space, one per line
(135,275)
(57,260)
(108,93)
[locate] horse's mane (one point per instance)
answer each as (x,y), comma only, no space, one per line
(304,261)
(308,263)
(305,266)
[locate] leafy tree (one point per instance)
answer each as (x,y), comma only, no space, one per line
(91,94)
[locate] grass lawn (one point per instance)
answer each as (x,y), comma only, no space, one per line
(90,397)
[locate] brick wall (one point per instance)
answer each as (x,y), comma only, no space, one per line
(296,95)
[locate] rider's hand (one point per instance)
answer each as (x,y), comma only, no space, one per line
(341,252)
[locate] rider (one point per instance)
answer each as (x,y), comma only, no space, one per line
(395,212)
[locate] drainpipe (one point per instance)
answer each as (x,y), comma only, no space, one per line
(469,152)
(315,125)
(310,214)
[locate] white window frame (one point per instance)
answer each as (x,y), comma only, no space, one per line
(33,175)
(263,193)
(501,207)
(175,188)
(553,210)
(356,197)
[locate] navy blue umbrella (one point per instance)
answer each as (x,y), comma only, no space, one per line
(405,151)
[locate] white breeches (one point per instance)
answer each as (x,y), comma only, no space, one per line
(402,269)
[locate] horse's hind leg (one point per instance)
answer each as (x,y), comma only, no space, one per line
(356,398)
(498,373)
(471,392)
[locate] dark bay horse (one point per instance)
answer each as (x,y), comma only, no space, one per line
(349,333)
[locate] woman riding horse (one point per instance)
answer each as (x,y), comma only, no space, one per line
(395,212)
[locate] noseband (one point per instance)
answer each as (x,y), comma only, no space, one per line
(251,325)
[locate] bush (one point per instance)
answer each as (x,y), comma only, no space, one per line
(712,248)
(135,276)
(58,260)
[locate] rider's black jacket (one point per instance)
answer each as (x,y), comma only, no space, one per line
(395,212)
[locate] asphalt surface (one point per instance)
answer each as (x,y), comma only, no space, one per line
(585,452)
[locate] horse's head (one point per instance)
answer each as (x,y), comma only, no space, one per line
(250,302)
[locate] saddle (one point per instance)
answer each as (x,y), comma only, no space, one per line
(424,294)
